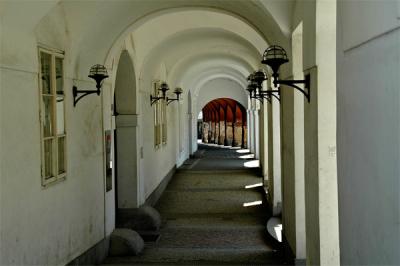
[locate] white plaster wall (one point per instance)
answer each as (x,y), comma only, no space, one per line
(56,224)
(220,88)
(368,59)
(164,156)
(72,210)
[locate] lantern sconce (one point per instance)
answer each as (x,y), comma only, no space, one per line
(164,88)
(275,56)
(98,73)
(255,87)
(178,91)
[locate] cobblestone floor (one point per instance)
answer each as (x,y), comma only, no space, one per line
(214,214)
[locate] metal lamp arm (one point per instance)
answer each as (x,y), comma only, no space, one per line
(276,96)
(170,100)
(292,83)
(154,99)
(84,93)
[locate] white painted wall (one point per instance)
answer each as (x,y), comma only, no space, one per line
(220,88)
(368,58)
(54,225)
(214,89)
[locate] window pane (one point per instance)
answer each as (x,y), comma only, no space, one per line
(59,77)
(60,115)
(45,62)
(61,155)
(48,158)
(48,114)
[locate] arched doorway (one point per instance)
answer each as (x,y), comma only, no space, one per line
(125,135)
(224,122)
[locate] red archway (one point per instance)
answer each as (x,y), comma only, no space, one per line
(224,123)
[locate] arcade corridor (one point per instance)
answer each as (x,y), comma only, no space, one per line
(103,104)
(214,213)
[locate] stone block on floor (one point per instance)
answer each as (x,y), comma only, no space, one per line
(125,242)
(145,218)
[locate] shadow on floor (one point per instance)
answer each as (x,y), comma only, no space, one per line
(214,213)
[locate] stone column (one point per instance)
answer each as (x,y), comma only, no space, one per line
(127,162)
(205,131)
(256,133)
(274,157)
(234,143)
(250,138)
(226,126)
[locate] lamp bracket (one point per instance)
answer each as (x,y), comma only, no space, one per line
(292,83)
(268,97)
(84,93)
(170,100)
(154,99)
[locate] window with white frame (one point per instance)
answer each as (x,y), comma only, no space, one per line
(52,116)
(164,122)
(160,117)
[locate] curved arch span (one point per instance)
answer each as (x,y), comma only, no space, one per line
(223,122)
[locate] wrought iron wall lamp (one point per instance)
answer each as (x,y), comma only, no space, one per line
(98,73)
(275,56)
(164,88)
(178,91)
(255,87)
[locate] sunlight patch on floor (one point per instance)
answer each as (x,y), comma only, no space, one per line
(253,203)
(254,185)
(243,151)
(247,156)
(278,231)
(252,164)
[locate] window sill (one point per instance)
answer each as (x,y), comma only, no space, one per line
(59,179)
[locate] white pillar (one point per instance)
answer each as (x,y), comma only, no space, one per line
(192,133)
(127,161)
(264,142)
(250,138)
(256,134)
(321,195)
(274,157)
(298,142)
